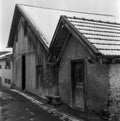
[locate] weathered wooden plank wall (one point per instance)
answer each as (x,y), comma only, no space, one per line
(30,73)
(27,44)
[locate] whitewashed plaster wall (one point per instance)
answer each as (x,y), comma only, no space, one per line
(5,73)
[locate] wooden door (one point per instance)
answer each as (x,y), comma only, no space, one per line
(77,76)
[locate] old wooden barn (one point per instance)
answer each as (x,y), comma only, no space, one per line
(79,61)
(29,55)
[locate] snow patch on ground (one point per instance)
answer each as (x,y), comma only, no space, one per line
(48,108)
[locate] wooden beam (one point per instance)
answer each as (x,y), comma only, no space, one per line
(63,46)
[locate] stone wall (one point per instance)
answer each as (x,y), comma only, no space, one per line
(97,87)
(114,100)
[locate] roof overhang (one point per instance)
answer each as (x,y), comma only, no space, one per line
(15,21)
(16,17)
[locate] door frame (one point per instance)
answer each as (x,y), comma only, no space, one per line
(83,61)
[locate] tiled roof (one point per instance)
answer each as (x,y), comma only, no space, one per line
(45,20)
(105,36)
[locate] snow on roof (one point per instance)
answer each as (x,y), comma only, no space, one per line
(46,19)
(105,36)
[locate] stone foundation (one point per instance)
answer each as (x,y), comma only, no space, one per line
(114,99)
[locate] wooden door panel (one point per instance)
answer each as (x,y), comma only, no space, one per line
(77,75)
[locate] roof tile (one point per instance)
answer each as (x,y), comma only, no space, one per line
(103,35)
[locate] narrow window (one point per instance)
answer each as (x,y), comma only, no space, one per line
(0,66)
(5,80)
(9,81)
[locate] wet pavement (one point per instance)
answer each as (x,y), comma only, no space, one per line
(14,107)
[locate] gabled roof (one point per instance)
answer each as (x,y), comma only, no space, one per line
(104,36)
(44,20)
(19,11)
(99,37)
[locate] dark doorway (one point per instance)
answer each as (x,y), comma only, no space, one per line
(77,78)
(23,72)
